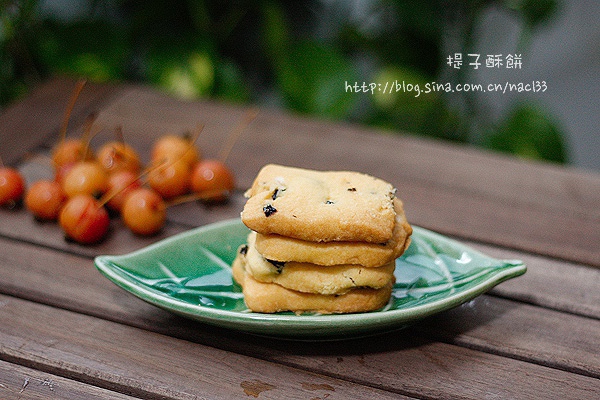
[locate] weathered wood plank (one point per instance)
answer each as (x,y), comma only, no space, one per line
(454,190)
(487,323)
(487,198)
(153,365)
(522,332)
(18,382)
(550,283)
(20,225)
(489,220)
(316,144)
(147,364)
(36,120)
(445,212)
(544,273)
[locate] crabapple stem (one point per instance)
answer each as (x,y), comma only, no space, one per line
(65,123)
(197,132)
(119,134)
(196,196)
(112,193)
(236,133)
(87,136)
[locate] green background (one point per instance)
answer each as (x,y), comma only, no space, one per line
(293,55)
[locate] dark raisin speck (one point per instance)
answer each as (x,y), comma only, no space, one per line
(269,210)
(277,193)
(352,189)
(278,264)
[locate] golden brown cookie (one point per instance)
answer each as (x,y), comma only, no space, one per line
(320,206)
(280,248)
(312,278)
(271,297)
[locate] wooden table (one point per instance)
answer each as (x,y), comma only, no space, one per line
(67,332)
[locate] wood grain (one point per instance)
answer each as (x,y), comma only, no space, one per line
(147,364)
(521,331)
(28,124)
(550,283)
(311,143)
(532,337)
(154,365)
(490,324)
(456,190)
(18,382)
(20,225)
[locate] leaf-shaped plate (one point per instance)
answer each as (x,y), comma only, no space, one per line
(189,274)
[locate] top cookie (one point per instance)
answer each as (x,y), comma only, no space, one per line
(320,206)
(283,249)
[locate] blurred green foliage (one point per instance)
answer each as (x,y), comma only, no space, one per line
(296,55)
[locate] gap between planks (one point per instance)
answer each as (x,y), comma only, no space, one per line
(421,368)
(104,300)
(149,364)
(19,382)
(533,191)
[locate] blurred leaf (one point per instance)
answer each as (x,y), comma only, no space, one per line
(534,12)
(157,18)
(412,35)
(230,84)
(400,87)
(422,17)
(404,100)
(275,33)
(94,49)
(184,67)
(313,80)
(291,53)
(10,88)
(528,132)
(199,14)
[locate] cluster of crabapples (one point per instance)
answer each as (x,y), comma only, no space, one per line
(89,187)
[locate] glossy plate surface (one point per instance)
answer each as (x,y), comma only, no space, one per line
(189,274)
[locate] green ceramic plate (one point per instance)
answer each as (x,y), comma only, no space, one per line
(189,274)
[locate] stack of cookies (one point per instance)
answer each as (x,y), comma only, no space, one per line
(320,241)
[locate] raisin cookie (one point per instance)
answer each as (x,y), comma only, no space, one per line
(281,248)
(272,298)
(312,278)
(320,206)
